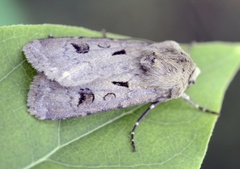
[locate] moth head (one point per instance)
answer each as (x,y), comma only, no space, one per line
(193,76)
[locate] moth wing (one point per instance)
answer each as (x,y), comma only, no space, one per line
(78,61)
(49,100)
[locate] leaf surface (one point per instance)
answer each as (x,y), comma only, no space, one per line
(173,135)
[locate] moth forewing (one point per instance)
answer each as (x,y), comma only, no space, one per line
(84,76)
(47,99)
(76,61)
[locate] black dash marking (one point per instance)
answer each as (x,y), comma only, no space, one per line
(120,52)
(81,48)
(123,84)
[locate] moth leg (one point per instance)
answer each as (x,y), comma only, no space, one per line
(152,106)
(189,100)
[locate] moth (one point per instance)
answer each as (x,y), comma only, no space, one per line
(81,76)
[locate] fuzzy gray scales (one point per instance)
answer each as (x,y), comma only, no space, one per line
(83,76)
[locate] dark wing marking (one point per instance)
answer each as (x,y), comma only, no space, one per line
(49,100)
(78,61)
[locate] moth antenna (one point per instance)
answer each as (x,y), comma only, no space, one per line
(152,106)
(189,100)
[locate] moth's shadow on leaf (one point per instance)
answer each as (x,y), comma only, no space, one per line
(29,71)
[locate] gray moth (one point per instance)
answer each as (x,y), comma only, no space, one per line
(80,76)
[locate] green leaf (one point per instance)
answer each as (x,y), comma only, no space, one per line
(173,135)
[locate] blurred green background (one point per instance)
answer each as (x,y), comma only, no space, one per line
(182,20)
